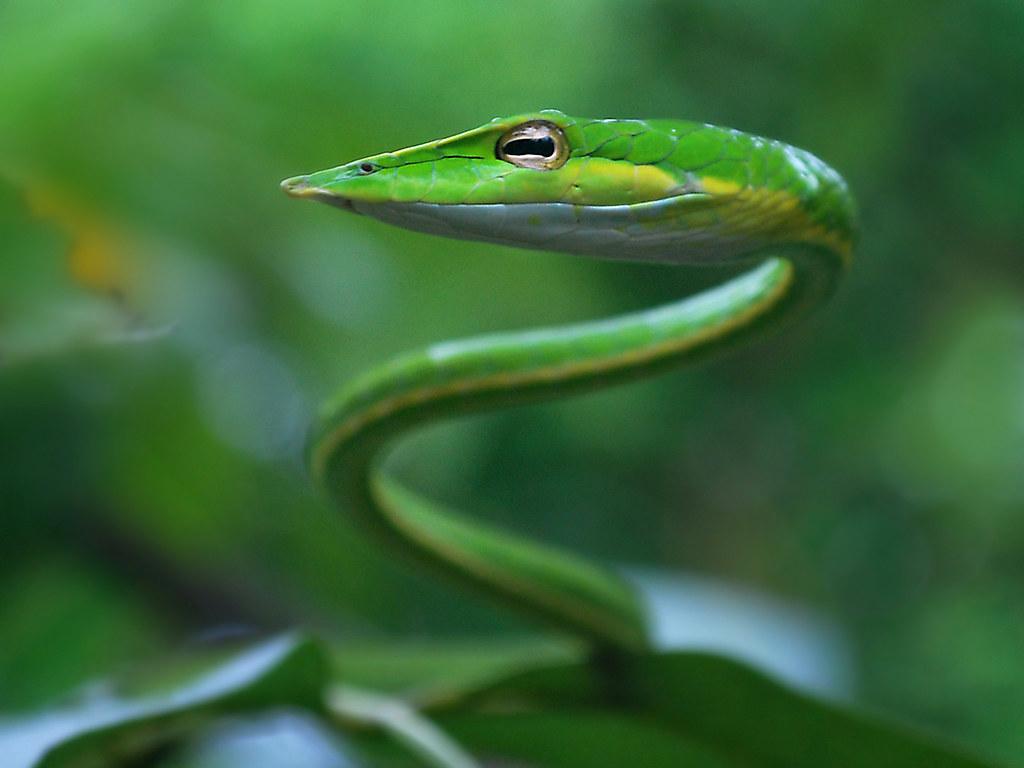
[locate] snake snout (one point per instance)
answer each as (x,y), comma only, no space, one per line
(298,186)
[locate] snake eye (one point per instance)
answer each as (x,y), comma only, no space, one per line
(367,168)
(537,144)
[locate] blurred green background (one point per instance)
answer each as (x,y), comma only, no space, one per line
(169,321)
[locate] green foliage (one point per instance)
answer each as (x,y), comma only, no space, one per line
(675,709)
(867,464)
(705,709)
(108,729)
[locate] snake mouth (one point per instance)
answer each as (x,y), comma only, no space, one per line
(299,187)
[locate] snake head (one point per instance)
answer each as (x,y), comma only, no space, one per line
(622,189)
(539,157)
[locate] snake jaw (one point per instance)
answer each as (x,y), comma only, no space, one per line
(299,187)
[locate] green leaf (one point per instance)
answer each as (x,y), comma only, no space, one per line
(574,738)
(286,671)
(443,667)
(274,740)
(720,712)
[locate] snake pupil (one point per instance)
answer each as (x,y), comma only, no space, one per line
(543,146)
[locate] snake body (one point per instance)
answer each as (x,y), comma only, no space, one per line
(645,190)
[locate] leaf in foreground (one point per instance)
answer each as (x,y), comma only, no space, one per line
(715,712)
(286,671)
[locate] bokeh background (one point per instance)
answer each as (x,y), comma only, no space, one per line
(169,321)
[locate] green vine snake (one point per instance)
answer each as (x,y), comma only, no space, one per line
(645,190)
